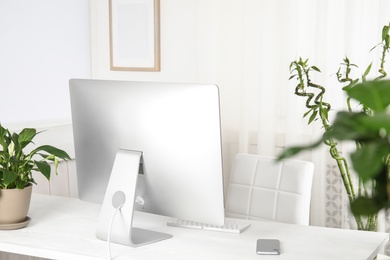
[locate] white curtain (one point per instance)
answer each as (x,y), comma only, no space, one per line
(258,39)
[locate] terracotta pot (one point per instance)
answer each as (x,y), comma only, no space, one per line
(14,205)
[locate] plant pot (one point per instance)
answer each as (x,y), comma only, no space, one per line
(14,206)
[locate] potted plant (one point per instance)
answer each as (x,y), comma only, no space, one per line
(366,127)
(370,159)
(16,168)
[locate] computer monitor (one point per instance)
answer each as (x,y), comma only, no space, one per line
(162,139)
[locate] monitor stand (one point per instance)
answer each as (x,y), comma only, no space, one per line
(121,192)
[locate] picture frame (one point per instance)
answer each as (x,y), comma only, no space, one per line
(134,35)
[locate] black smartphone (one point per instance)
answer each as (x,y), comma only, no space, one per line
(268,247)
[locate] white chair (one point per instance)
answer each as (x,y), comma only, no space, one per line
(382,257)
(262,189)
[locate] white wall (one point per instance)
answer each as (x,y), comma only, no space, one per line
(195,47)
(189,40)
(43,44)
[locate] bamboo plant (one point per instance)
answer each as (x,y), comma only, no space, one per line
(318,109)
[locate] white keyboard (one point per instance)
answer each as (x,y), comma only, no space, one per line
(229,226)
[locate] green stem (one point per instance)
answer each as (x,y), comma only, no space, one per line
(382,66)
(303,72)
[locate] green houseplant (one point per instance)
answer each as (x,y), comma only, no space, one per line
(16,168)
(370,159)
(357,126)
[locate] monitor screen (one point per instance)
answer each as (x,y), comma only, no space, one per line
(175,126)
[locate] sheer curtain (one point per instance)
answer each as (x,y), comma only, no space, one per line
(258,39)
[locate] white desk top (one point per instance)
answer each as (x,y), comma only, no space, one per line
(64,228)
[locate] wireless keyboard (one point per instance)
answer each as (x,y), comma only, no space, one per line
(229,226)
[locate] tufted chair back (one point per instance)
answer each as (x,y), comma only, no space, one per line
(263,189)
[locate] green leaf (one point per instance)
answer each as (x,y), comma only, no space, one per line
(368,161)
(9,177)
(307,112)
(365,206)
(372,94)
(350,126)
(313,116)
(291,151)
(44,168)
(367,70)
(25,137)
(376,123)
(354,82)
(385,35)
(315,68)
(291,65)
(3,137)
(385,32)
(359,126)
(351,85)
(324,113)
(52,150)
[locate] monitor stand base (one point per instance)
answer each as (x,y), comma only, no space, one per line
(145,236)
(121,193)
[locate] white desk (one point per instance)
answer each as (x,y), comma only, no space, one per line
(64,228)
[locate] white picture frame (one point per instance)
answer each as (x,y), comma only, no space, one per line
(134,35)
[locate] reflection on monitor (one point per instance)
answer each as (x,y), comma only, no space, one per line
(165,140)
